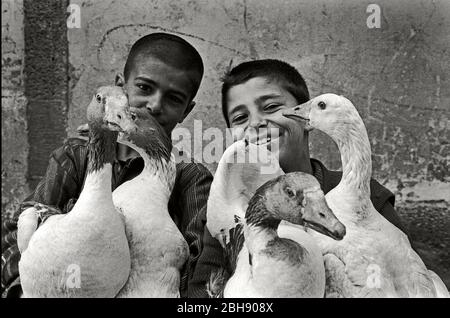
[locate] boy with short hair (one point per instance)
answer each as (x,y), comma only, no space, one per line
(254,95)
(162,73)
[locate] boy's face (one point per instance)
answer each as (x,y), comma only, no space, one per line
(259,103)
(164,90)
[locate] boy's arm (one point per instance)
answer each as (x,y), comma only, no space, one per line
(194,184)
(59,185)
(210,260)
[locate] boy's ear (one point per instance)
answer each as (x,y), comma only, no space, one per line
(119,80)
(187,111)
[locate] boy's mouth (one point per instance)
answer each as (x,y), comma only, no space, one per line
(264,140)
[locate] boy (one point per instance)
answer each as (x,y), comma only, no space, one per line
(162,73)
(254,94)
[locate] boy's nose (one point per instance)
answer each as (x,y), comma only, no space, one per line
(257,122)
(154,105)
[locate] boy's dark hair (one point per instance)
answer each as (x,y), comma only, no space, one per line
(170,49)
(274,70)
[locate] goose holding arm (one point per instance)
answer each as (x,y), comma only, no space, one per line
(258,213)
(83,253)
(375,259)
(157,247)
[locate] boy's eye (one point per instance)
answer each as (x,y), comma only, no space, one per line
(176,99)
(143,87)
(271,107)
(238,119)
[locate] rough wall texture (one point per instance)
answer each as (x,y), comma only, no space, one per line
(397,76)
(14,125)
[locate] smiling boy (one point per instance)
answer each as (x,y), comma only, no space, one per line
(162,74)
(254,95)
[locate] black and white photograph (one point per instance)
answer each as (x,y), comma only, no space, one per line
(214,150)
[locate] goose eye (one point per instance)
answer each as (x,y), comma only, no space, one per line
(98,98)
(322,105)
(290,192)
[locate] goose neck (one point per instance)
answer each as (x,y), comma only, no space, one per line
(98,181)
(354,147)
(257,237)
(259,216)
(261,225)
(101,147)
(162,171)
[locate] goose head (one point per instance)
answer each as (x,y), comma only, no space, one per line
(297,198)
(329,113)
(149,139)
(147,136)
(338,118)
(109,110)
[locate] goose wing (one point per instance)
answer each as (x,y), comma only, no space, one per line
(382,268)
(441,289)
(29,220)
(234,246)
(405,270)
(419,282)
(352,277)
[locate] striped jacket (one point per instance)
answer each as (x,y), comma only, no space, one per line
(63,183)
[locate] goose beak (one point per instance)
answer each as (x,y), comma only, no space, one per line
(127,122)
(128,127)
(300,113)
(121,121)
(319,217)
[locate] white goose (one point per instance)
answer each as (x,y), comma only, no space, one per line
(158,249)
(266,258)
(375,259)
(83,253)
